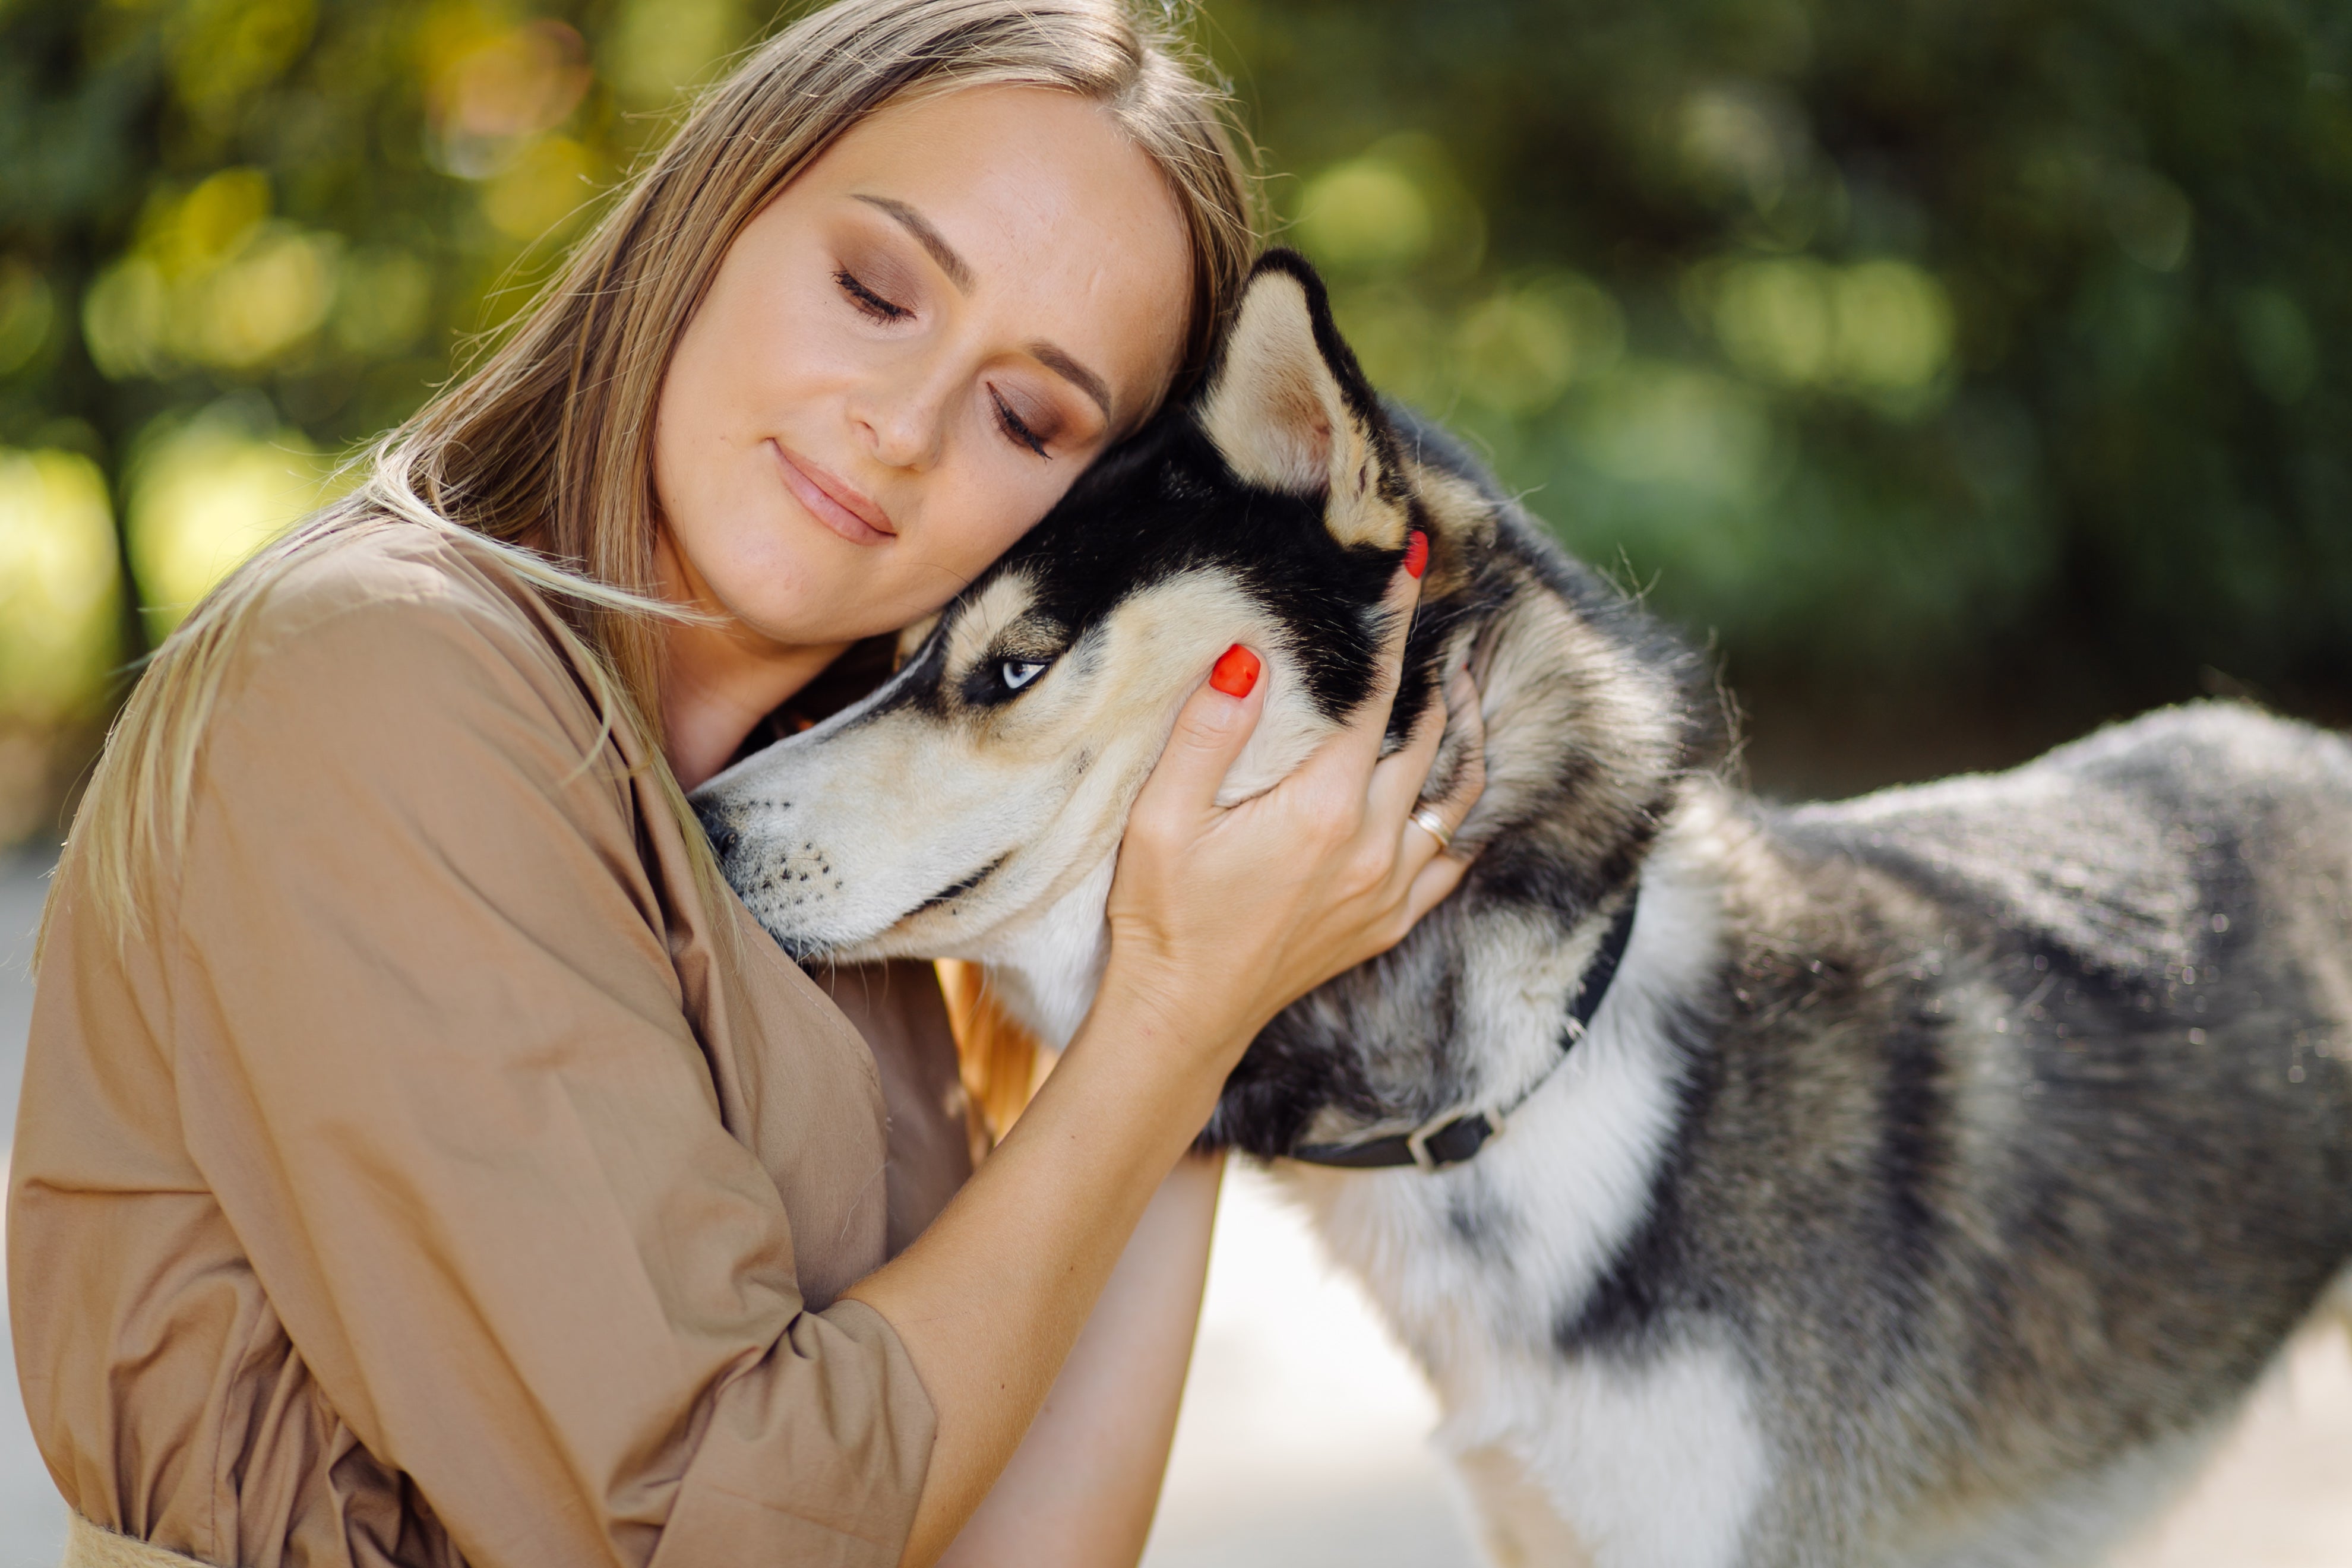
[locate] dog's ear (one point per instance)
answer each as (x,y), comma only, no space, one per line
(1289,409)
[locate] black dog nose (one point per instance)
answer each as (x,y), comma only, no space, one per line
(722,834)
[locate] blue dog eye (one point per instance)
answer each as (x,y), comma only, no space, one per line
(1019,673)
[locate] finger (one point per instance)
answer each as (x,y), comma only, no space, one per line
(1211,727)
(1423,845)
(1402,598)
(1467,720)
(1365,731)
(1393,816)
(1399,779)
(1438,877)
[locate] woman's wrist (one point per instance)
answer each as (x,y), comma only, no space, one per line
(1131,1065)
(1185,1030)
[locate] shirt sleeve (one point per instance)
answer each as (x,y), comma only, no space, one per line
(433,1062)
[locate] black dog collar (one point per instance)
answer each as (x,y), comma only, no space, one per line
(1436,1144)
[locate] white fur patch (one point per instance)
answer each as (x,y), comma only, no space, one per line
(1655,1466)
(1661,1463)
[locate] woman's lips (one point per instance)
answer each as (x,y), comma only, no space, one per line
(832,500)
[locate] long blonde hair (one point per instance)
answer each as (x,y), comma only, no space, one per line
(549,437)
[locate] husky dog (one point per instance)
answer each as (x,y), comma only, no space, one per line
(1919,1179)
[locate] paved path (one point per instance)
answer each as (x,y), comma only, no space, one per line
(32,1519)
(1301,1444)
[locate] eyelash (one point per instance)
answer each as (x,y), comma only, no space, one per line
(873,305)
(867,301)
(1013,426)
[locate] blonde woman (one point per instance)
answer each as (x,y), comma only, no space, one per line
(422,1159)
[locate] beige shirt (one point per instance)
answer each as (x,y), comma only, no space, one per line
(426,1184)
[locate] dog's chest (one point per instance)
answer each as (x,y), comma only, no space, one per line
(1586,1458)
(1650,1458)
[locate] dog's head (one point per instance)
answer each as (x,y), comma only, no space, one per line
(972,806)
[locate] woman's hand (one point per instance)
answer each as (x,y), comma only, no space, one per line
(1222,917)
(1219,919)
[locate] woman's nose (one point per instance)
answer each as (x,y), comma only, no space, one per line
(903,420)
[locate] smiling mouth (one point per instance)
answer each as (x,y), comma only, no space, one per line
(832,500)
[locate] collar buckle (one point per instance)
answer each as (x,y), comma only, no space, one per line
(1434,1145)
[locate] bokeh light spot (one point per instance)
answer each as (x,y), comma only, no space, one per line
(125,319)
(1664,424)
(1519,350)
(1366,214)
(206,496)
(2149,218)
(1742,138)
(552,180)
(1775,317)
(27,307)
(657,47)
(273,296)
(2274,341)
(1879,327)
(1894,326)
(210,223)
(1395,336)
(213,280)
(492,99)
(224,49)
(58,584)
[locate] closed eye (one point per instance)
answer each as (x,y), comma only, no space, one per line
(1018,673)
(867,301)
(1015,429)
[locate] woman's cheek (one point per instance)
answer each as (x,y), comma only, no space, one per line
(1026,498)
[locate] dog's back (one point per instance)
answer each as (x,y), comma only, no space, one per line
(2059,1179)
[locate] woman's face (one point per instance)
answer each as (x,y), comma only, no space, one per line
(908,355)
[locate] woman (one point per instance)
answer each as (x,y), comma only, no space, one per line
(422,1158)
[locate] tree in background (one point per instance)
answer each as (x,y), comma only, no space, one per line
(237,237)
(1984,365)
(1972,370)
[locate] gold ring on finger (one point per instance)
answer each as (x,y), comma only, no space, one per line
(1425,818)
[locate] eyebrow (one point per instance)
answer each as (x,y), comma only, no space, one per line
(957,269)
(959,273)
(1076,375)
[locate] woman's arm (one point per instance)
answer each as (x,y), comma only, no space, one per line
(1082,1487)
(1219,919)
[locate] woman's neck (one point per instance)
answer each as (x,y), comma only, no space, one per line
(719,678)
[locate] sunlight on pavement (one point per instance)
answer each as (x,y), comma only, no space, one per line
(31,1515)
(1304,1438)
(2278,1492)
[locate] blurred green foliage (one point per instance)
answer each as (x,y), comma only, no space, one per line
(1954,355)
(1910,344)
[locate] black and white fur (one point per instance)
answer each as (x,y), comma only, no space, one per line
(1939,1172)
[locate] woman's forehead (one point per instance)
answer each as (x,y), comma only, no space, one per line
(1040,206)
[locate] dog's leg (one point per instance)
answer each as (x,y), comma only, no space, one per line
(1518,1524)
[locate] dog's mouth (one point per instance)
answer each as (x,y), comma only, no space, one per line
(956,889)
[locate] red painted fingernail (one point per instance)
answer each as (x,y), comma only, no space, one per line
(1416,554)
(1237,672)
